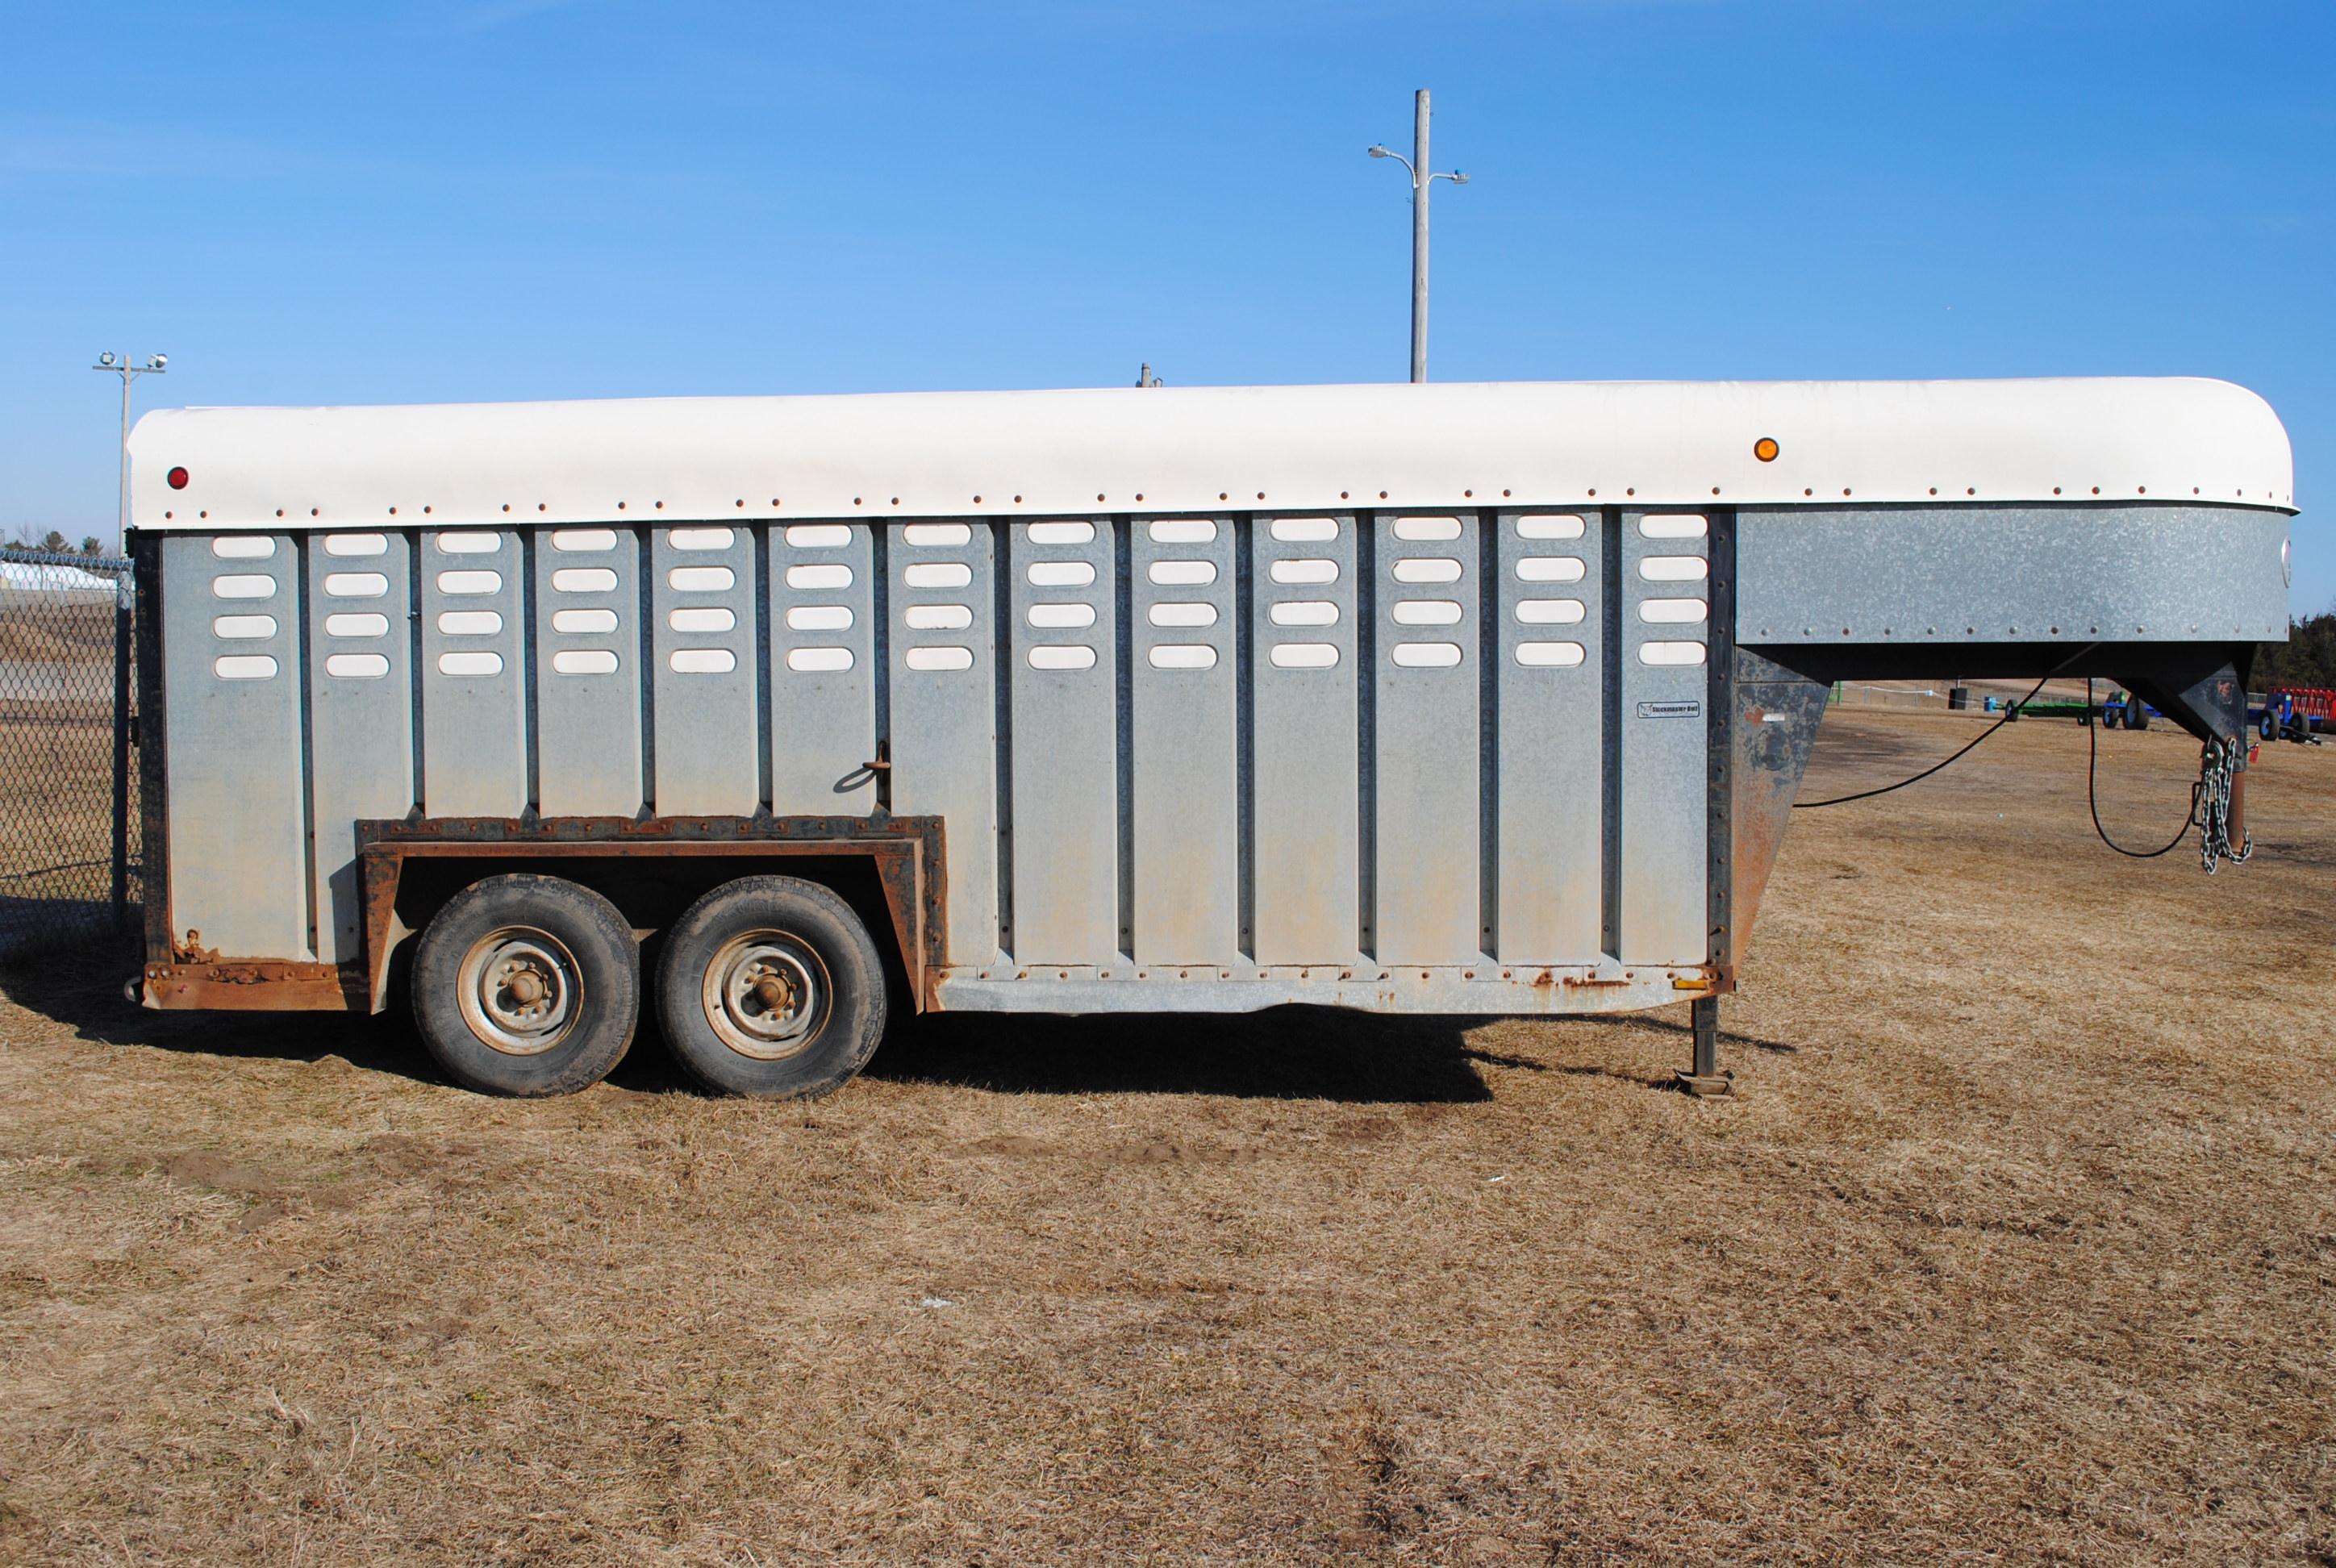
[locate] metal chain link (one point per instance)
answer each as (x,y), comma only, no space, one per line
(2218,765)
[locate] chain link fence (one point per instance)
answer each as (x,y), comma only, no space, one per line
(69,808)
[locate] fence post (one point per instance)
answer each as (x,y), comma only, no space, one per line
(121,601)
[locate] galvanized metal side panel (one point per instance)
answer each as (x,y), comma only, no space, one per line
(1184,742)
(1427,739)
(1305,816)
(2138,572)
(703,588)
(473,683)
(1665,746)
(1063,741)
(1549,699)
(944,710)
(360,718)
(589,687)
(232,664)
(824,669)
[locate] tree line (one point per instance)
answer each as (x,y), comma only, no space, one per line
(2308,656)
(50,543)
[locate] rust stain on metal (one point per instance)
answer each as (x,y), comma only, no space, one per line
(254,985)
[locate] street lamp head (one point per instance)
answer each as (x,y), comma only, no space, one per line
(158,361)
(1377,151)
(106,360)
(1458,177)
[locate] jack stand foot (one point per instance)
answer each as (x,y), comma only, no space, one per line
(1705,1079)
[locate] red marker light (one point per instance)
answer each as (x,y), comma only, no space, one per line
(177,478)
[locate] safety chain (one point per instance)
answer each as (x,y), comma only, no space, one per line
(2218,764)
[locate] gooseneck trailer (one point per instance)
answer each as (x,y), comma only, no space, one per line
(1466,699)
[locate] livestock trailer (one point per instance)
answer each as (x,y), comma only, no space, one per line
(1482,699)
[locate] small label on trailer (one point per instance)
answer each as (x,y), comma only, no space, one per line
(1670,710)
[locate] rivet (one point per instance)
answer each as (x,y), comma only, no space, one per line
(774,501)
(660,506)
(855,500)
(1098,497)
(1969,491)
(2143,490)
(742,501)
(1466,494)
(392,512)
(2056,490)
(202,514)
(1383,495)
(1505,492)
(166,517)
(977,501)
(1139,496)
(1714,490)
(507,506)
(279,511)
(541,506)
(2097,490)
(1844,490)
(896,501)
(1260,496)
(312,511)
(620,506)
(1221,495)
(1593,493)
(1017,498)
(1342,495)
(1934,490)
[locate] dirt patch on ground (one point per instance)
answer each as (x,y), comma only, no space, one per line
(2018,1246)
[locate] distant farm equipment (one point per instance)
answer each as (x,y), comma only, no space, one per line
(2295,713)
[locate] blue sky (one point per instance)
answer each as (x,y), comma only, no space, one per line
(425,200)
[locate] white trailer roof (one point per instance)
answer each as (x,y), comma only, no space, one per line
(1213,449)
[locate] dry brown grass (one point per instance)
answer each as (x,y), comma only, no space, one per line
(2017,1247)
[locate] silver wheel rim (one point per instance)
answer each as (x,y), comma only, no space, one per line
(766,995)
(521,990)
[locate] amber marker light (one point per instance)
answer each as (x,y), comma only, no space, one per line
(1765,449)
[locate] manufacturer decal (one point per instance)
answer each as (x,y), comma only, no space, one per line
(1670,710)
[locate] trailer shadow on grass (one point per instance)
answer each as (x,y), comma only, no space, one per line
(82,990)
(1284,1053)
(1288,1053)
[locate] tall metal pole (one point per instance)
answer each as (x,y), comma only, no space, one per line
(1422,179)
(1421,183)
(121,518)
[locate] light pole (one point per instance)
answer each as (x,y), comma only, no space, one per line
(1417,167)
(120,364)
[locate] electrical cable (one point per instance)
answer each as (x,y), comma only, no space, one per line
(2092,758)
(2009,714)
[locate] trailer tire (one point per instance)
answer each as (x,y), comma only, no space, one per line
(771,987)
(2268,725)
(527,985)
(2110,714)
(2137,712)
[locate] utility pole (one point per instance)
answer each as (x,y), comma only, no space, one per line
(1421,179)
(120,364)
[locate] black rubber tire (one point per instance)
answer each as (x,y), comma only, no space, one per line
(842,1031)
(2112,713)
(607,982)
(2136,712)
(2269,725)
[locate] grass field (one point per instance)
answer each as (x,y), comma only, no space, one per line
(2018,1246)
